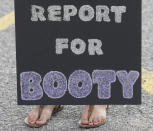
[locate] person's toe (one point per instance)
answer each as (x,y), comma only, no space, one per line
(103,120)
(91,122)
(40,122)
(99,121)
(95,122)
(30,119)
(84,121)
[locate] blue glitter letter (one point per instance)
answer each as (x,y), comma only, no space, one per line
(80,84)
(55,91)
(127,81)
(104,78)
(30,86)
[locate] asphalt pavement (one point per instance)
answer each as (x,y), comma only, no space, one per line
(120,118)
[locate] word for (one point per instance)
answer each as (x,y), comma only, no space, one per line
(78,46)
(85,13)
(80,84)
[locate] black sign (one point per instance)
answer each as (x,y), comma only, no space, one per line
(78,51)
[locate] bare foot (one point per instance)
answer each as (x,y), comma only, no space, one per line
(85,115)
(98,115)
(33,116)
(45,114)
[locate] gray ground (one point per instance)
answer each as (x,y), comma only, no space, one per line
(120,118)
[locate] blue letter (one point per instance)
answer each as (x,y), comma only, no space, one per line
(30,86)
(80,84)
(104,78)
(52,90)
(127,81)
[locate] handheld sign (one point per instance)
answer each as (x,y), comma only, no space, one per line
(78,52)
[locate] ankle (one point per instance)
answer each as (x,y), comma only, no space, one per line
(101,106)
